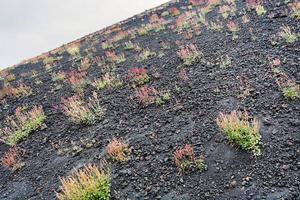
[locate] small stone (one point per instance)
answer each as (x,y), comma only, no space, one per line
(38,178)
(233,183)
(285,167)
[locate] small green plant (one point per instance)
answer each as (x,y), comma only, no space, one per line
(185,159)
(260,10)
(165,13)
(163,97)
(10,78)
(215,26)
(240,130)
(289,88)
(287,35)
(49,60)
(143,31)
(107,45)
(78,81)
(74,50)
(82,112)
(22,124)
(89,183)
(109,80)
(59,76)
(144,55)
(290,92)
(225,61)
(129,45)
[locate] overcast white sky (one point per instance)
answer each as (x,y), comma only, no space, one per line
(31,27)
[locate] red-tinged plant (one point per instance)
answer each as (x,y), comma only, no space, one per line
(11,159)
(149,95)
(145,95)
(252,4)
(189,20)
(185,152)
(77,80)
(112,57)
(174,11)
(275,65)
(84,64)
(157,26)
(185,159)
(232,27)
(117,150)
(137,76)
(189,54)
(296,9)
(154,18)
(188,35)
(197,2)
(82,112)
(276,62)
(182,75)
(225,11)
(120,36)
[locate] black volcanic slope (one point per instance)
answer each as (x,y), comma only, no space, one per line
(248,52)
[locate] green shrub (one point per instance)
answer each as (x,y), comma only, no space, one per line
(22,124)
(82,112)
(240,130)
(290,92)
(89,183)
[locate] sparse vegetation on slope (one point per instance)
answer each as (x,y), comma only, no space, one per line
(148,94)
